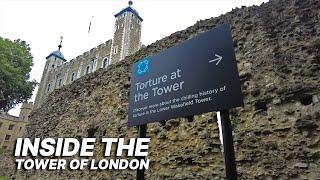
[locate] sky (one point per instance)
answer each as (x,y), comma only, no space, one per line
(41,23)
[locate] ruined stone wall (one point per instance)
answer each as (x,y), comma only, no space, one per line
(277,131)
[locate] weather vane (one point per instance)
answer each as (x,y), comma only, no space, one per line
(60,45)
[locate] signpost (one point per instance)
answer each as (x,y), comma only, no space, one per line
(197,76)
(228,149)
(142,134)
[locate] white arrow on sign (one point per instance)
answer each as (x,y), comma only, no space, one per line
(218,59)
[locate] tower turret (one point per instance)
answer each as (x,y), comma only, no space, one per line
(127,34)
(25,110)
(54,59)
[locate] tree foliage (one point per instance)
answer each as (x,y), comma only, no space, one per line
(15,67)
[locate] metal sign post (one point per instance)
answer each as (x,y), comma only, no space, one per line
(228,149)
(142,134)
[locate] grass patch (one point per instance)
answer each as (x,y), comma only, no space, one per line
(2,178)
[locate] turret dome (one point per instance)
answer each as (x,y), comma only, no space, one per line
(57,53)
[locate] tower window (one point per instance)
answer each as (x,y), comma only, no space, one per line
(52,66)
(7,138)
(57,81)
(73,77)
(49,86)
(60,82)
(10,127)
(93,64)
(88,70)
(115,50)
(105,63)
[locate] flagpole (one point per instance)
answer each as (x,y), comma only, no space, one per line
(90,24)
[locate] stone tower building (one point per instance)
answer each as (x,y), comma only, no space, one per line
(12,127)
(126,41)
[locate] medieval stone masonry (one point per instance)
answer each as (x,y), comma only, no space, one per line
(276,134)
(59,72)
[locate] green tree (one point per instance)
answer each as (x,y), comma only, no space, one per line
(15,67)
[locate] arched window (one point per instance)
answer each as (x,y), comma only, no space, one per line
(115,50)
(60,82)
(92,62)
(88,70)
(105,63)
(73,77)
(49,86)
(93,65)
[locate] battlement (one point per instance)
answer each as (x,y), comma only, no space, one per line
(94,50)
(59,72)
(88,54)
(9,117)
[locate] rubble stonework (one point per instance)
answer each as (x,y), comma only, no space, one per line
(277,134)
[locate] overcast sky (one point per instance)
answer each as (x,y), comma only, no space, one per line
(42,22)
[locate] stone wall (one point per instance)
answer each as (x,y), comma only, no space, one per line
(277,131)
(13,126)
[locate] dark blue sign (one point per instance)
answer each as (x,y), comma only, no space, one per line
(194,77)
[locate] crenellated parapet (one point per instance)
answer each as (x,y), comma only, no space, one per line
(59,71)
